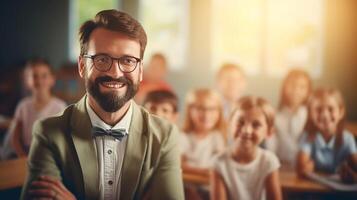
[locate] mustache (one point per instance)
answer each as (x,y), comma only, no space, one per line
(103,79)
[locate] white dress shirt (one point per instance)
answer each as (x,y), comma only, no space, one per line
(110,154)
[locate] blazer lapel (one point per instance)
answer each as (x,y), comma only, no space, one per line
(85,149)
(134,155)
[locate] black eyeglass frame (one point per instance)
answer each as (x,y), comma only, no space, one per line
(138,60)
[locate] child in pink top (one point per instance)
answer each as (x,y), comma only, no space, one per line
(40,104)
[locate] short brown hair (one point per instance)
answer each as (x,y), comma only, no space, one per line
(162,96)
(33,62)
(250,102)
(113,20)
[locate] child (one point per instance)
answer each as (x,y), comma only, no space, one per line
(326,144)
(231,84)
(41,104)
(154,77)
(247,171)
(203,128)
(291,116)
(162,103)
(203,137)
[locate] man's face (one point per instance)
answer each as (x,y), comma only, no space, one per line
(113,88)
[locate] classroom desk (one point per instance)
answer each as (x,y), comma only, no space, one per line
(289,181)
(293,187)
(195,179)
(12,173)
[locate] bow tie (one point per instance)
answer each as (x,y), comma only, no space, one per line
(116,133)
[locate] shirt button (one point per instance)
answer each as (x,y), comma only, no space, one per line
(110,182)
(110,151)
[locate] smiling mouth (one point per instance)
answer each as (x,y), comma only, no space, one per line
(113,84)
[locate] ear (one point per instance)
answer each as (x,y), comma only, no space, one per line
(343,112)
(141,71)
(81,66)
(53,79)
(271,132)
(175,117)
(244,84)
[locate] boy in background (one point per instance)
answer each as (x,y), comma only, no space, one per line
(162,103)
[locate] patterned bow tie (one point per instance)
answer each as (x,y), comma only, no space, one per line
(116,133)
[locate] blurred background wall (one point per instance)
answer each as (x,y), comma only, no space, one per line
(44,28)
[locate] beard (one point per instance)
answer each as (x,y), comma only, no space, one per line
(111,101)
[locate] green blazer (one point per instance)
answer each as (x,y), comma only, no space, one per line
(62,146)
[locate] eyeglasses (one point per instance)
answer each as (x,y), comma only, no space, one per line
(201,108)
(103,62)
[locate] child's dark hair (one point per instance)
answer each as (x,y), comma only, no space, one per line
(162,96)
(39,61)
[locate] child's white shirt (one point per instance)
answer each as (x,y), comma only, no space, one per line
(289,129)
(246,181)
(199,152)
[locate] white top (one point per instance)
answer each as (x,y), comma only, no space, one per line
(246,181)
(110,154)
(27,114)
(289,129)
(199,152)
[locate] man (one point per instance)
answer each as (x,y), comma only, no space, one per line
(105,146)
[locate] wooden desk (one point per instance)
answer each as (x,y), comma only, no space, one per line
(12,173)
(290,182)
(195,179)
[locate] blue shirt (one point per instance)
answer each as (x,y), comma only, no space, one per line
(326,158)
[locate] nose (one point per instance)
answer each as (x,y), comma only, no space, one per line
(324,113)
(247,130)
(114,70)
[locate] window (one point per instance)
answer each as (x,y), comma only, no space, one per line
(166,25)
(81,11)
(268,36)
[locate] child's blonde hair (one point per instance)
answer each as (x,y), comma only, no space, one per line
(319,94)
(293,74)
(250,102)
(229,67)
(196,96)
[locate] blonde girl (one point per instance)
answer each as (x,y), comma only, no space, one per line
(326,144)
(203,129)
(291,116)
(246,171)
